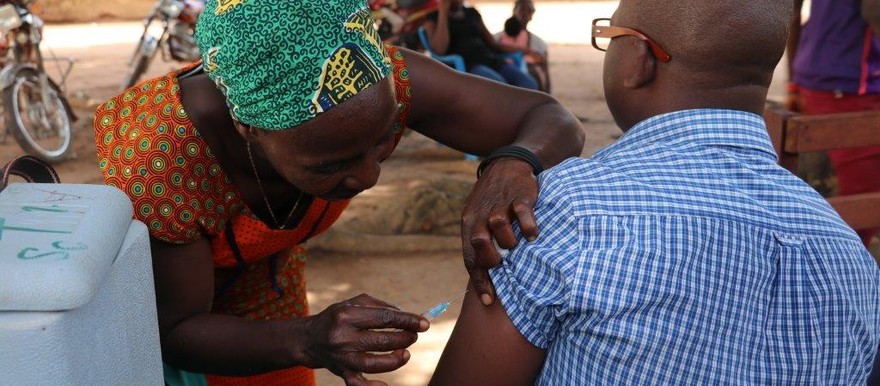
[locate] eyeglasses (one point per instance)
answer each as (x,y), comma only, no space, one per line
(603,32)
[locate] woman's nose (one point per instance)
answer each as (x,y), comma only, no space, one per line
(365,176)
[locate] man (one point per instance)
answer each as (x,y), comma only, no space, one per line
(834,67)
(683,254)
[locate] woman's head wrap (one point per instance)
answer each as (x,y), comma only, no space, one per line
(282,62)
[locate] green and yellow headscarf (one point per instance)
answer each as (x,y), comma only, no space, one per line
(282,62)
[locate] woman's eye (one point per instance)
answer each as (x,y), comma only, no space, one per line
(328,168)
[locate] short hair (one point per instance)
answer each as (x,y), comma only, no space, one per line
(512,26)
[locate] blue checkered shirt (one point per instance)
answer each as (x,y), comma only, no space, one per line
(684,255)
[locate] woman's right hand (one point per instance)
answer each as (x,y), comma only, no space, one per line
(361,335)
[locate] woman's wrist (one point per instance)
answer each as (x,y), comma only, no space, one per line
(516,152)
(296,337)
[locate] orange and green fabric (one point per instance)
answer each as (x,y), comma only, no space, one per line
(148,147)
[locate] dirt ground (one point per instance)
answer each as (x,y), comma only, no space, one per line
(414,271)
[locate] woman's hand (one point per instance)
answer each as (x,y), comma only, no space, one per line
(360,335)
(506,192)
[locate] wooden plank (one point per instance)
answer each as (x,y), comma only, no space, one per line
(860,211)
(832,131)
(775,119)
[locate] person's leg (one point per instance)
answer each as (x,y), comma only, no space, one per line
(486,72)
(514,76)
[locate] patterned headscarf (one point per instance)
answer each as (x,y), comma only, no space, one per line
(282,62)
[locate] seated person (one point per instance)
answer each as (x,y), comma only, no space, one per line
(683,254)
(456,29)
(517,36)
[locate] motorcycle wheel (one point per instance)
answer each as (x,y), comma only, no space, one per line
(25,113)
(139,64)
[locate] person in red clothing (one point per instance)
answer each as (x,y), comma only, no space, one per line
(834,67)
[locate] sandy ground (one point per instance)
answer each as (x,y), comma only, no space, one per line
(414,273)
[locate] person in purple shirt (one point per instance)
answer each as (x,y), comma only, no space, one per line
(834,67)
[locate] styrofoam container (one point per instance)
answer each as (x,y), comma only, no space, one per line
(77,303)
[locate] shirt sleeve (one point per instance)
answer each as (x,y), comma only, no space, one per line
(532,281)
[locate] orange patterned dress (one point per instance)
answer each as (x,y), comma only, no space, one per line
(148,148)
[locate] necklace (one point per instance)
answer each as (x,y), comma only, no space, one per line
(265,199)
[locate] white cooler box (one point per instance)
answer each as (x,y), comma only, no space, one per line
(77,303)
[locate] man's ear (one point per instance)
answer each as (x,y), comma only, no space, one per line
(644,66)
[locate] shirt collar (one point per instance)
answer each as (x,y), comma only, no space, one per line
(699,127)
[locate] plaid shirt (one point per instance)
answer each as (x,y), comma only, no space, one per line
(683,254)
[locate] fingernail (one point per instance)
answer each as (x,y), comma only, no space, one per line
(406,355)
(486,299)
(424,324)
(532,238)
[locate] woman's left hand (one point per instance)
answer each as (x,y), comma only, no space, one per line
(506,192)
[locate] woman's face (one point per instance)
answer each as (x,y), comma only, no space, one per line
(336,155)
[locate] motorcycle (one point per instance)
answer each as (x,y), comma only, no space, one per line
(170,28)
(398,21)
(35,110)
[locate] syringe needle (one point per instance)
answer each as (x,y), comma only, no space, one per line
(439,309)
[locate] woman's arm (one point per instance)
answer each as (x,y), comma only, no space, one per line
(338,338)
(486,349)
(477,116)
(438,32)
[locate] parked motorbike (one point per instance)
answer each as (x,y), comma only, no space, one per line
(35,110)
(169,28)
(398,21)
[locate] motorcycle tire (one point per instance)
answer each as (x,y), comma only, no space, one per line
(32,128)
(139,65)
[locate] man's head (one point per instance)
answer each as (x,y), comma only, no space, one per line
(723,54)
(523,10)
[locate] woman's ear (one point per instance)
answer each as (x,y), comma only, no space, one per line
(248,132)
(643,67)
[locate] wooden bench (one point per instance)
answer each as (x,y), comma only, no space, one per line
(793,134)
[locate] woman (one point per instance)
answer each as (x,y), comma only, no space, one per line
(457,29)
(233,163)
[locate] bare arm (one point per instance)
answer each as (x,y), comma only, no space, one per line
(438,33)
(338,338)
(477,116)
(481,355)
(195,340)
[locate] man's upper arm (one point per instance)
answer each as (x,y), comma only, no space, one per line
(505,343)
(486,349)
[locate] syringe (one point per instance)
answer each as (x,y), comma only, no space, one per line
(439,309)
